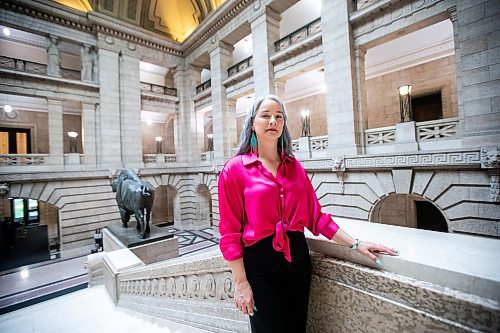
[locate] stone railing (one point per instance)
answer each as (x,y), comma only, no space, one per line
(35,68)
(242,65)
(437,129)
(382,135)
(360,4)
(159,158)
(207,156)
(319,142)
(23,159)
(421,289)
(298,35)
(295,145)
(149,87)
(204,86)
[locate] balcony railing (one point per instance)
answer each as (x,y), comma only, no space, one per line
(159,158)
(242,65)
(35,68)
(319,142)
(207,156)
(22,159)
(204,86)
(298,35)
(437,129)
(360,4)
(149,87)
(378,136)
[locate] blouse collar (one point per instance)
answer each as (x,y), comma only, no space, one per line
(250,158)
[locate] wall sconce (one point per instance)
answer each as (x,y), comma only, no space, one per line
(405,103)
(159,139)
(7,108)
(72,141)
(306,125)
(210,137)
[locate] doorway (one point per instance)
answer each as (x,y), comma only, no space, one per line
(15,140)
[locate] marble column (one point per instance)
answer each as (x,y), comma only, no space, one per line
(343,131)
(265,32)
(185,79)
(130,112)
(224,117)
(89,133)
(477,69)
(360,117)
(56,135)
(108,114)
(279,89)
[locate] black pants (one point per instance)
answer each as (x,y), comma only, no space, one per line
(280,289)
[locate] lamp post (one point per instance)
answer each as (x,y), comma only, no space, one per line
(159,140)
(306,126)
(210,144)
(72,141)
(405,103)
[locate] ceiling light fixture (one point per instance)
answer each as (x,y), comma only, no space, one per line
(7,108)
(6,31)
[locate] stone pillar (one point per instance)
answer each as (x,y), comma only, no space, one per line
(89,133)
(53,56)
(56,135)
(265,31)
(130,112)
(108,113)
(187,149)
(279,89)
(360,118)
(343,132)
(477,63)
(224,118)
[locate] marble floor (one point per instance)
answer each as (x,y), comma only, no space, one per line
(85,311)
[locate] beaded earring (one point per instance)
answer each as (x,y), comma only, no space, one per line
(253,142)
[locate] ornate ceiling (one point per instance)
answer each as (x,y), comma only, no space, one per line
(176,19)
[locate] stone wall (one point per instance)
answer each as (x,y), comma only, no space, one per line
(435,76)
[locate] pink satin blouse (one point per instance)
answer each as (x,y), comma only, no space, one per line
(254,204)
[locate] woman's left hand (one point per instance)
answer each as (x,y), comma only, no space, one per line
(368,248)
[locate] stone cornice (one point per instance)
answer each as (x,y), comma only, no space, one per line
(113,27)
(213,23)
(49,12)
(454,159)
(40,176)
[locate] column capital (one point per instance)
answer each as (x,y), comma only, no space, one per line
(265,14)
(218,46)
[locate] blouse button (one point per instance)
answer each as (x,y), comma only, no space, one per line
(281,195)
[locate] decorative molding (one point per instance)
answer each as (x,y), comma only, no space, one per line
(490,157)
(207,29)
(339,169)
(469,158)
(4,189)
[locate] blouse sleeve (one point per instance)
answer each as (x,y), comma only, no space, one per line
(231,216)
(319,222)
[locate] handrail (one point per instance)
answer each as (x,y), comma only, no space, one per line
(205,85)
(155,88)
(244,64)
(35,67)
(298,35)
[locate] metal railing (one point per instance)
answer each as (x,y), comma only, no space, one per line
(35,68)
(298,35)
(149,87)
(244,64)
(204,86)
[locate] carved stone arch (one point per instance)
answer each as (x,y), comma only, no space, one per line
(409,210)
(206,195)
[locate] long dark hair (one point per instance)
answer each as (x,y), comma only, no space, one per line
(246,132)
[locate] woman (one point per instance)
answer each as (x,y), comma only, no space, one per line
(266,200)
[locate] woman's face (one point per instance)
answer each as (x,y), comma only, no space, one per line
(269,121)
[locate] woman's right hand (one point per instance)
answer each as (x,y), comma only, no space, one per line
(243,297)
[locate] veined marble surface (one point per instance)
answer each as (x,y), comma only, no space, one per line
(466,263)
